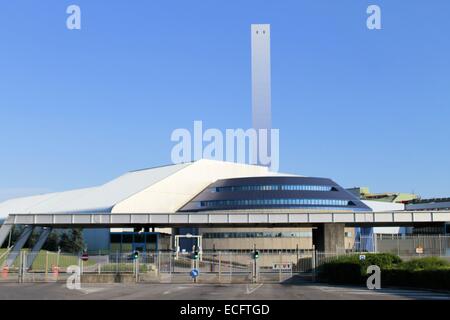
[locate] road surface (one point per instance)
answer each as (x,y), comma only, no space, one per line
(147,291)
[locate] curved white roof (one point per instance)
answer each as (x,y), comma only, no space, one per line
(89,200)
(155,190)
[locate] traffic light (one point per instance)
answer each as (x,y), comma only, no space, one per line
(255,254)
(195,256)
(135,254)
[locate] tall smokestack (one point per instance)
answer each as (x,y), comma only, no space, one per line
(261,88)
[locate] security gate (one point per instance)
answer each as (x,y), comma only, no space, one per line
(157,267)
(211,267)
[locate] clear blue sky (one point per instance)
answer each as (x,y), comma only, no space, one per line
(365,108)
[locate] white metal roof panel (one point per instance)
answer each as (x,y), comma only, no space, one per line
(90,200)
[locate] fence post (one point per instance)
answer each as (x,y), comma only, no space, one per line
(57,259)
(159,261)
(137,269)
(170,264)
(117,262)
(281,262)
(231,266)
(19,277)
(23,266)
(220,267)
(313,263)
(46,265)
(375,243)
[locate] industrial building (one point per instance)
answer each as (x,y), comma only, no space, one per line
(201,186)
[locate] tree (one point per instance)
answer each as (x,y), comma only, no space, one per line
(65,243)
(77,240)
(52,242)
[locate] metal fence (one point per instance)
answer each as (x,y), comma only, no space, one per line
(407,245)
(212,266)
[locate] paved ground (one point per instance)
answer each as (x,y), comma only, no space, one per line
(305,291)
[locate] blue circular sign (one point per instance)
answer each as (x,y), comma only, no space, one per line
(194,273)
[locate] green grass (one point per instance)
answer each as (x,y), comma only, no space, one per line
(124,267)
(48,259)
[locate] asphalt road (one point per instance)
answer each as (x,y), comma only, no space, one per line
(146,291)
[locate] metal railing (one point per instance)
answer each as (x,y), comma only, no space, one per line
(406,245)
(213,266)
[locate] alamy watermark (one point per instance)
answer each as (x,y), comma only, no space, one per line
(374,20)
(374,280)
(250,146)
(74,280)
(73,21)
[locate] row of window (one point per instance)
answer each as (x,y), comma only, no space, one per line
(221,235)
(300,234)
(261,202)
(133,237)
(275,187)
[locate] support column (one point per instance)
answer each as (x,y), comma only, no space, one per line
(45,232)
(15,251)
(328,237)
(5,229)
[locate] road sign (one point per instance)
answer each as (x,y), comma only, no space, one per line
(85,256)
(362,257)
(194,273)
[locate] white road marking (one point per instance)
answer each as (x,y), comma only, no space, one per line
(173,290)
(388,292)
(250,291)
(91,290)
(87,290)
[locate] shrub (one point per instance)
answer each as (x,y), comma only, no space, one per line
(383,260)
(341,272)
(428,263)
(430,272)
(349,269)
(425,279)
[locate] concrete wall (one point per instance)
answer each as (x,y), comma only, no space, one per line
(265,243)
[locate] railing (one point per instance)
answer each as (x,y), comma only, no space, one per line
(214,266)
(407,245)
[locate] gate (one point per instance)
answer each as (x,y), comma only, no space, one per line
(223,267)
(163,267)
(212,268)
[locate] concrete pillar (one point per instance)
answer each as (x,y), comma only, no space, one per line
(328,237)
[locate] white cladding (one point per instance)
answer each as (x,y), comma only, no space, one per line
(173,192)
(379,206)
(156,190)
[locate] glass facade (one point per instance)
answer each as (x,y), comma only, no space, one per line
(263,202)
(275,187)
(130,241)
